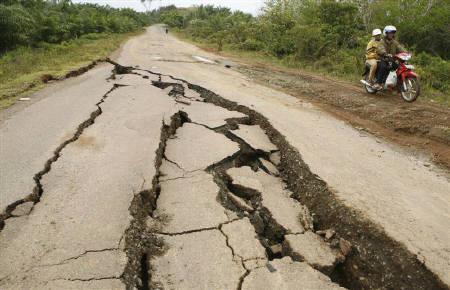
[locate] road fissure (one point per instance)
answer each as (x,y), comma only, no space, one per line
(140,242)
(245,156)
(38,189)
(368,262)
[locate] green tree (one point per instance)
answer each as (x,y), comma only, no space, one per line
(28,22)
(16,24)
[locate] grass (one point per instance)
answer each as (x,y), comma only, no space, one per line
(339,67)
(21,69)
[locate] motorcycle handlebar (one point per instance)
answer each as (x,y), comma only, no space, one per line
(388,57)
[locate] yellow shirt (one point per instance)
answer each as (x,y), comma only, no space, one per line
(372,49)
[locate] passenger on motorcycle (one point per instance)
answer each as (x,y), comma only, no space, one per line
(372,54)
(389,47)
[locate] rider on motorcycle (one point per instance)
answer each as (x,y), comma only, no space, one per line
(372,53)
(389,47)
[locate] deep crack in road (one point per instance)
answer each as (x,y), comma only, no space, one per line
(168,185)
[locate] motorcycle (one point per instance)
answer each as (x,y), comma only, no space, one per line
(401,78)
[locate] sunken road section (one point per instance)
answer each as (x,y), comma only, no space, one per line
(367,259)
(253,183)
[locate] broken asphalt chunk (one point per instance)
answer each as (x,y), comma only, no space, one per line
(287,274)
(240,202)
(283,209)
(310,248)
(192,263)
(190,204)
(255,137)
(197,147)
(243,239)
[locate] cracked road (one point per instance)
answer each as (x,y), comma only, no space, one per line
(165,170)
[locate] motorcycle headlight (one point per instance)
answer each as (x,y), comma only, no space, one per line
(404,56)
(409,66)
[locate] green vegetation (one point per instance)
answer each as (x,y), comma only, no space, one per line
(30,22)
(53,37)
(22,69)
(326,36)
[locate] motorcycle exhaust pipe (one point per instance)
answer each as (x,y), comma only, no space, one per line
(364,82)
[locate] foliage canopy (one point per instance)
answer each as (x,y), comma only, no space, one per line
(30,22)
(329,35)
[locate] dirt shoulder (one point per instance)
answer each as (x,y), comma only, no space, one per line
(422,127)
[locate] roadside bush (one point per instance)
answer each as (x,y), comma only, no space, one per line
(434,71)
(326,35)
(93,36)
(252,45)
(310,43)
(16,25)
(341,63)
(34,21)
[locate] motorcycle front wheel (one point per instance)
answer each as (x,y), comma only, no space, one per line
(410,90)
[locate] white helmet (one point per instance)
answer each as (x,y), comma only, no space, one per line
(389,29)
(376,32)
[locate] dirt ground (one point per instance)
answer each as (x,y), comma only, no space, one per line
(421,126)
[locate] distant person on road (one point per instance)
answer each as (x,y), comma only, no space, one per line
(389,47)
(372,55)
(167,30)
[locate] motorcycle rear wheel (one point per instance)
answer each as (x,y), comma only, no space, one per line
(412,90)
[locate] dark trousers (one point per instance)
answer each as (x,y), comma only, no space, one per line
(382,72)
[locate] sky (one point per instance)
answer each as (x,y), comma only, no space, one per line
(249,6)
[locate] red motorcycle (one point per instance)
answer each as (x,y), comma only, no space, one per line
(401,78)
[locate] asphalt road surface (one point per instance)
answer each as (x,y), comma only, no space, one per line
(168,169)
